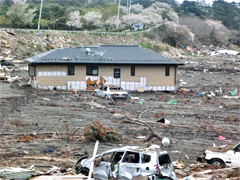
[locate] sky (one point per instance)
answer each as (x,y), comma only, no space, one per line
(210,1)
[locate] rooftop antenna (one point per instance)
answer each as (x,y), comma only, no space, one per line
(101,53)
(82,49)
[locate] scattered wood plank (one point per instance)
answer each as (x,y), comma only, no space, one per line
(50,159)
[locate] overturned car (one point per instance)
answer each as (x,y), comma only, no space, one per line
(128,162)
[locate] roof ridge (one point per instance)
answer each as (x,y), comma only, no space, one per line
(121,45)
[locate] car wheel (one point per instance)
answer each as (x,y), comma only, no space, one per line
(84,171)
(95,94)
(217,162)
(106,97)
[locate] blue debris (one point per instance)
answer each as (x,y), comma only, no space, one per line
(48,150)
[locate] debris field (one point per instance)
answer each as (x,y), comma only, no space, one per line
(48,128)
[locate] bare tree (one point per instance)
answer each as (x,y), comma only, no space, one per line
(176,34)
(207,31)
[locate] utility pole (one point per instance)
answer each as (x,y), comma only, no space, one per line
(40,14)
(1,5)
(130,6)
(119,1)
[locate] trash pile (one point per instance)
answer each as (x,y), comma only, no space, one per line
(6,68)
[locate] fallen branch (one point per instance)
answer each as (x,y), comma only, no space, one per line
(138,121)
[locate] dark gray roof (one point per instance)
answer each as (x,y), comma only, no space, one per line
(102,54)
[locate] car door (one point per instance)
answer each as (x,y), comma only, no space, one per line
(236,156)
(147,165)
(99,91)
(105,91)
(102,171)
(130,167)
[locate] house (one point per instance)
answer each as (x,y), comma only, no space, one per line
(85,68)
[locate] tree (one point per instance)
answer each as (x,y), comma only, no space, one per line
(74,19)
(165,11)
(151,17)
(191,7)
(228,13)
(199,27)
(133,19)
(136,9)
(176,34)
(124,9)
(55,14)
(19,15)
(113,22)
(92,19)
(219,34)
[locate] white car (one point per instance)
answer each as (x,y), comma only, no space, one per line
(126,162)
(231,157)
(111,92)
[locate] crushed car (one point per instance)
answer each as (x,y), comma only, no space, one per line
(222,156)
(111,92)
(128,162)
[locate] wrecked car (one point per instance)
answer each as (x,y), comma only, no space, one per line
(111,92)
(223,156)
(128,162)
(6,63)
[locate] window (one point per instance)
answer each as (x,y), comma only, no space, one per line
(116,88)
(237,148)
(116,158)
(92,70)
(132,71)
(70,70)
(116,73)
(164,159)
(167,71)
(146,158)
(32,70)
(107,157)
(131,157)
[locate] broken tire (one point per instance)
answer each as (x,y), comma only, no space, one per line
(217,162)
(84,171)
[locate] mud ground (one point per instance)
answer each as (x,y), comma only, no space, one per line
(35,124)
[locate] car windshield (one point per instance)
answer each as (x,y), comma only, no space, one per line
(164,159)
(116,88)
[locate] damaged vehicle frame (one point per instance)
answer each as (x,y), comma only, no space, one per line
(126,163)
